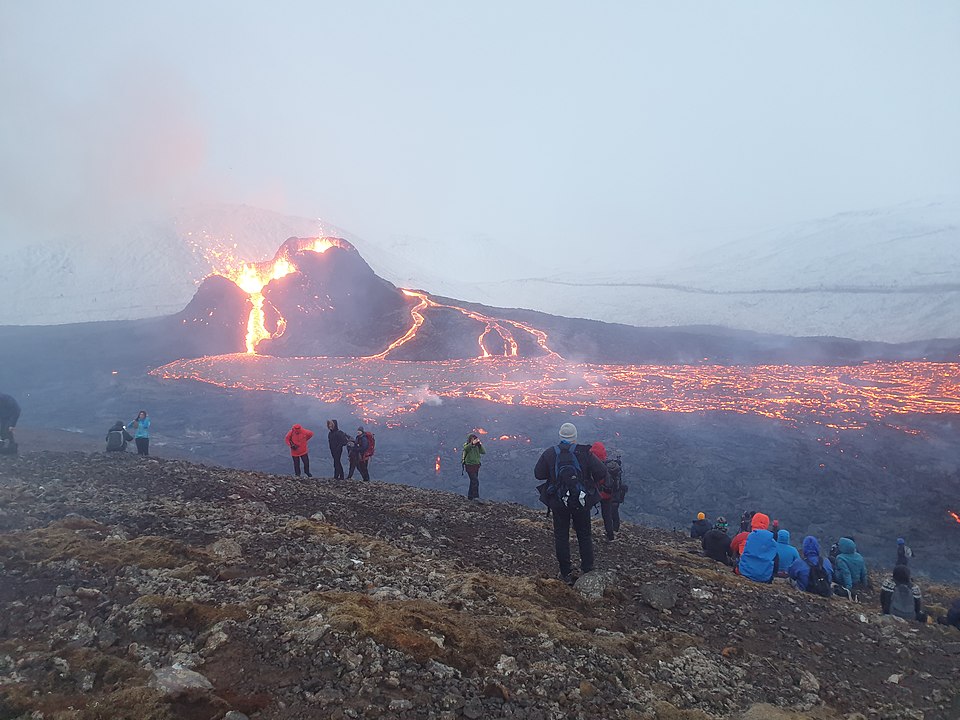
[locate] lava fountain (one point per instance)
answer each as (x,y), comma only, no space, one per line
(253,277)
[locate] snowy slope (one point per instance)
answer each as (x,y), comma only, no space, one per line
(889,275)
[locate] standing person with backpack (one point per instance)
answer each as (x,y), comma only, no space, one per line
(360,451)
(338,440)
(118,437)
(904,553)
(612,491)
(470,462)
(297,439)
(571,476)
(812,572)
(141,433)
(9,415)
(901,597)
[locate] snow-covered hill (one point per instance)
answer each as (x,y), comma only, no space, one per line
(889,274)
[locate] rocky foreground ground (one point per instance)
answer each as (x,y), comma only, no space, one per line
(153,589)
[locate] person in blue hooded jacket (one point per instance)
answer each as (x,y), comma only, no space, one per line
(799,572)
(758,562)
(851,570)
(787,554)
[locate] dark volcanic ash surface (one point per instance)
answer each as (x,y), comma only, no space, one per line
(139,588)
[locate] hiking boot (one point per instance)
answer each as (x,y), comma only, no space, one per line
(309,475)
(568,578)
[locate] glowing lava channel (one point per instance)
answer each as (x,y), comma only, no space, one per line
(510,347)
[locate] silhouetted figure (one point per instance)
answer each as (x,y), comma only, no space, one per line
(118,437)
(141,433)
(571,475)
(470,461)
(953,615)
(700,527)
(716,543)
(9,415)
(297,438)
(338,440)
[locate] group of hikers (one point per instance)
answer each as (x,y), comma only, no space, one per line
(761,551)
(360,449)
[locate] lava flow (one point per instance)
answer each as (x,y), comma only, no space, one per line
(952,514)
(252,277)
(841,398)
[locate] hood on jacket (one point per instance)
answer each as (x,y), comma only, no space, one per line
(600,450)
(335,427)
(297,427)
(811,547)
(847,546)
(760,522)
(783,537)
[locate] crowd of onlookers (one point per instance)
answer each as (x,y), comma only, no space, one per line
(762,551)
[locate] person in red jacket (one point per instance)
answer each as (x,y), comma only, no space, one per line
(609,509)
(297,440)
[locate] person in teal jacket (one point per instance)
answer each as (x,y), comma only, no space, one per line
(141,435)
(851,568)
(786,553)
(472,450)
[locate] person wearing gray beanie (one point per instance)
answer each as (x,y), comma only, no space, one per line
(571,477)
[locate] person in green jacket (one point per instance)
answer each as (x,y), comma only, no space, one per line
(472,450)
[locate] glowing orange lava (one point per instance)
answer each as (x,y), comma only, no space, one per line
(842,398)
(436,465)
(253,277)
(952,514)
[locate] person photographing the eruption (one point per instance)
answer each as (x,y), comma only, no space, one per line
(470,461)
(141,433)
(9,415)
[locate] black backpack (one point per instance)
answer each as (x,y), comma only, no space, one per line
(115,440)
(818,582)
(568,473)
(614,483)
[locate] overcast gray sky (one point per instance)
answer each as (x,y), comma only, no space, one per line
(655,125)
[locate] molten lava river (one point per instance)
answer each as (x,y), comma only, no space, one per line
(380,388)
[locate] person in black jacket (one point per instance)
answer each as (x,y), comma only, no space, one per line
(9,415)
(338,441)
(700,527)
(572,476)
(716,543)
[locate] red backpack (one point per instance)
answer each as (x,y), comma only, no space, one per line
(373,443)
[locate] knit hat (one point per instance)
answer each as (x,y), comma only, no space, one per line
(568,432)
(721,523)
(701,516)
(901,541)
(360,429)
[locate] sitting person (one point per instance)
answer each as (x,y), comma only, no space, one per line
(758,561)
(811,572)
(716,542)
(953,615)
(787,554)
(118,437)
(851,571)
(700,527)
(901,597)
